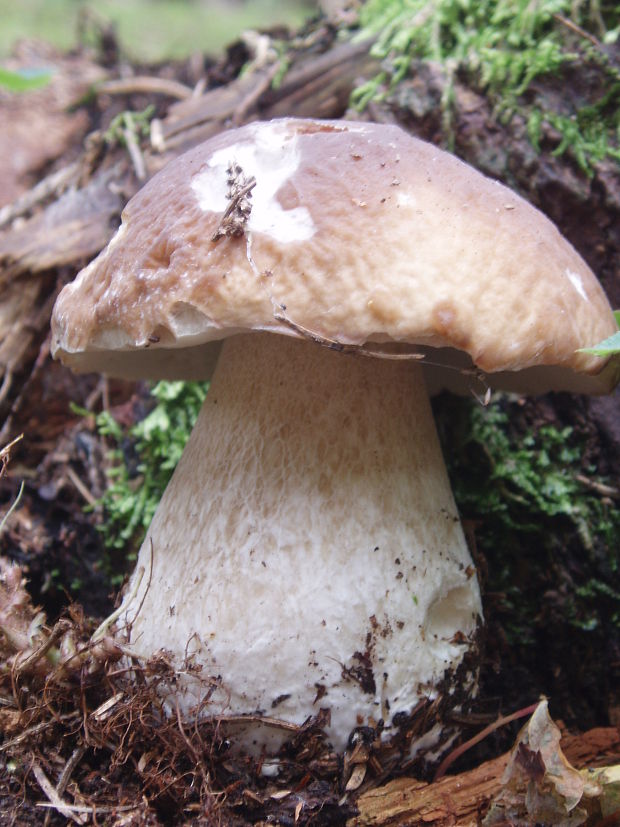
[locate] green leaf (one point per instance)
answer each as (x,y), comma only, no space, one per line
(608,347)
(25,79)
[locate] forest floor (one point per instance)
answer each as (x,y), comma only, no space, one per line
(85,743)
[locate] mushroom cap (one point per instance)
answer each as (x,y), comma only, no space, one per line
(355,233)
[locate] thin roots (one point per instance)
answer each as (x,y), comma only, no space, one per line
(92,730)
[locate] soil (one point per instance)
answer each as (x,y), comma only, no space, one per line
(62,460)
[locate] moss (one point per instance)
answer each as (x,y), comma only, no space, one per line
(143,459)
(505,48)
(540,528)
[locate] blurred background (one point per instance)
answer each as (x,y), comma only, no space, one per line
(148,30)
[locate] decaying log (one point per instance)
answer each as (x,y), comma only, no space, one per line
(461,800)
(70,230)
(317,86)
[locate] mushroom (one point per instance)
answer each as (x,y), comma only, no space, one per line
(307,552)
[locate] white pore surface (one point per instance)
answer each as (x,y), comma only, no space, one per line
(307,552)
(272,158)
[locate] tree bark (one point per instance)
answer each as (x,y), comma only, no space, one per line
(462,800)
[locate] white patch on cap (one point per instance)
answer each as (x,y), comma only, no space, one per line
(405,199)
(575,280)
(272,158)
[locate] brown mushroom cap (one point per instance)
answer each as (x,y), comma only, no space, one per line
(358,233)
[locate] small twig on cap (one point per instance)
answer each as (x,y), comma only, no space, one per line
(333,344)
(236,215)
(360,350)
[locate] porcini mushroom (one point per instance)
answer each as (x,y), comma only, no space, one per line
(307,552)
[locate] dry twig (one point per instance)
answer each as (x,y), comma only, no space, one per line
(145,85)
(55,800)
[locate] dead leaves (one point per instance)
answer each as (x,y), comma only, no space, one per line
(539,785)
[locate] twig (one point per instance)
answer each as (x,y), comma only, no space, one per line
(43,649)
(333,344)
(135,153)
(84,808)
(67,772)
(236,198)
(147,85)
(6,384)
(40,362)
(34,730)
(239,205)
(13,506)
(103,627)
(462,748)
(103,711)
(578,30)
(248,102)
(5,452)
(599,487)
(54,184)
(148,586)
(55,800)
(264,720)
(80,486)
(188,742)
(361,350)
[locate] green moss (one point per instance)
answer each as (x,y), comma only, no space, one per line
(503,47)
(539,527)
(136,123)
(143,460)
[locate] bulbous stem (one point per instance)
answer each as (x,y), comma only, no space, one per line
(308,549)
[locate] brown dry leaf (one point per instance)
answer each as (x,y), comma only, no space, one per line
(539,785)
(19,621)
